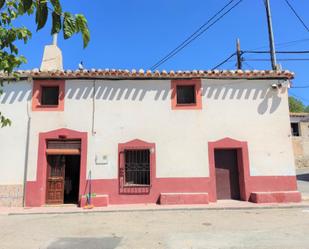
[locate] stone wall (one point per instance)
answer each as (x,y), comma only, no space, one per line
(301,146)
(11,195)
(302,162)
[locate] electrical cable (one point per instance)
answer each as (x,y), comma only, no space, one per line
(279,59)
(285,44)
(248,65)
(298,17)
(301,98)
(300,87)
(196,34)
(224,61)
(277,52)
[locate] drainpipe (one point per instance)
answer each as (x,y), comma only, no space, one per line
(27,147)
(93,108)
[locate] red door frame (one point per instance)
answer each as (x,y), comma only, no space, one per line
(36,190)
(243,165)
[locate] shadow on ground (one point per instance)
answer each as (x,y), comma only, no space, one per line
(303,177)
(85,243)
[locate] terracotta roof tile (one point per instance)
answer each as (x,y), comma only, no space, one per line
(141,73)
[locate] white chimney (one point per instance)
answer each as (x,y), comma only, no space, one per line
(52,57)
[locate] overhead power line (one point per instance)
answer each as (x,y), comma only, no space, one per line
(291,42)
(202,29)
(277,52)
(248,65)
(299,97)
(298,17)
(280,59)
(263,59)
(300,86)
(285,44)
(224,61)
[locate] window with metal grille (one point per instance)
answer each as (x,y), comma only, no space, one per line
(137,167)
(186,94)
(50,95)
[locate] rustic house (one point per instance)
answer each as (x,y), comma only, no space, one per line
(185,137)
(300,138)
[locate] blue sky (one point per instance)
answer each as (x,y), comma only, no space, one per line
(137,33)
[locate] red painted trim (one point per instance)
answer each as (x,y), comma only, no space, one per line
(36,190)
(96,201)
(275,197)
(37,94)
(138,144)
(247,183)
(272,183)
(198,94)
(110,187)
(183,198)
(243,165)
(183,185)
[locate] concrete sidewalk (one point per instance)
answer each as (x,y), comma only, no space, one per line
(220,205)
(303,182)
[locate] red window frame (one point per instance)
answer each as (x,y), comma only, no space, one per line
(197,83)
(135,144)
(37,95)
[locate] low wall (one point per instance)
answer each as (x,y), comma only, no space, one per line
(11,195)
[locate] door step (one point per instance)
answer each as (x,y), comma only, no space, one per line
(275,197)
(60,205)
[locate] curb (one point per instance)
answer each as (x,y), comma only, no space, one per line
(134,210)
(305,198)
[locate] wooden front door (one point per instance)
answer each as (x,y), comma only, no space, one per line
(227,179)
(55,179)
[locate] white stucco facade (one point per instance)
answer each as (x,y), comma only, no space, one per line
(117,111)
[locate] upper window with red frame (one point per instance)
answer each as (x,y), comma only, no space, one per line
(186,94)
(48,95)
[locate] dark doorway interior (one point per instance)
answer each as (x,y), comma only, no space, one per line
(227,178)
(71,182)
(62,179)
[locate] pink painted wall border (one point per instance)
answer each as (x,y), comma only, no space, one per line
(160,185)
(36,190)
(272,183)
(184,185)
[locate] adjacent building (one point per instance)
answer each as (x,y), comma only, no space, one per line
(300,138)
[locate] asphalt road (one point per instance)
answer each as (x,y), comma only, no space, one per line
(192,229)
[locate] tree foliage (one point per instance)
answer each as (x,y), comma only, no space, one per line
(296,105)
(10,10)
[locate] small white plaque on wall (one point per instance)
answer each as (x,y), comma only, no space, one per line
(101,159)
